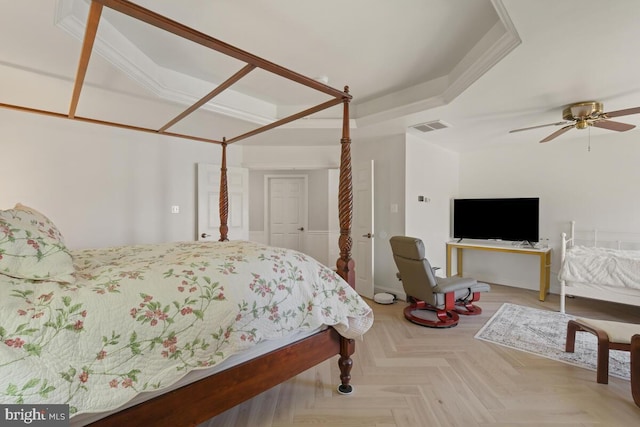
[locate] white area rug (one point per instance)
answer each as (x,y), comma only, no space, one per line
(544,333)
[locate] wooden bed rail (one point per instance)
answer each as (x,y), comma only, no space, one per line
(199,401)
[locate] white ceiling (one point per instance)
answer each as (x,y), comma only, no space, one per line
(482,66)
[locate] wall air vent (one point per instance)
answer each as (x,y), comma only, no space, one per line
(432,125)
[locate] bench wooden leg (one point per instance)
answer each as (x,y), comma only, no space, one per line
(635,369)
(572,328)
(602,368)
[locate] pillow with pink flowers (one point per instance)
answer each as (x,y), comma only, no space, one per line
(32,247)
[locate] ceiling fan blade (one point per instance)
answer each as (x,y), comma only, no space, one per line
(557,133)
(611,125)
(625,112)
(539,126)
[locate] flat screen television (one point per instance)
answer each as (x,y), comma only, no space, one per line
(513,219)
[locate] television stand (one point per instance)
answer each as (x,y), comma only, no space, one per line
(544,254)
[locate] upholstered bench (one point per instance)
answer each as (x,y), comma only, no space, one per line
(611,335)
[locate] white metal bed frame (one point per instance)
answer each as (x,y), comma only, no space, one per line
(589,291)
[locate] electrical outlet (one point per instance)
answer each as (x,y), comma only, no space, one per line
(175,209)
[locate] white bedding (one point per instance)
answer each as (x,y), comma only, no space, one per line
(604,266)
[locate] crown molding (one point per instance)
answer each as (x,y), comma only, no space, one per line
(173,86)
(501,39)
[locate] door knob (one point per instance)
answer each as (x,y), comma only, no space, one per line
(368,235)
(301,229)
(205,235)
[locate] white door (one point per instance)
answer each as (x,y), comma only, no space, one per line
(287,211)
(209,202)
(363,227)
(334,218)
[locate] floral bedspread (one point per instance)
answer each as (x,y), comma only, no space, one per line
(140,317)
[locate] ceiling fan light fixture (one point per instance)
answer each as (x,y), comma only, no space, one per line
(581,110)
(582,124)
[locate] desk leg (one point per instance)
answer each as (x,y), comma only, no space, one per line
(545,274)
(459,260)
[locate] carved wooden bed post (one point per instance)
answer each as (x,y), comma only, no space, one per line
(224,195)
(345,264)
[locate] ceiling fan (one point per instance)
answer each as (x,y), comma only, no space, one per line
(581,115)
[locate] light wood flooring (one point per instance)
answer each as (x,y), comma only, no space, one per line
(408,375)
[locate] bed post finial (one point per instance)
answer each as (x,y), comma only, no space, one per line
(345,264)
(224,195)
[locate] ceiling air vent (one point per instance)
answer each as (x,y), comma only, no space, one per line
(429,126)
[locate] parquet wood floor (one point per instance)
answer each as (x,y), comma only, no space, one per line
(407,376)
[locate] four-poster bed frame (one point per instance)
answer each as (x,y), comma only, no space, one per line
(201,400)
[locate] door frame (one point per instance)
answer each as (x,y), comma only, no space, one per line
(267,206)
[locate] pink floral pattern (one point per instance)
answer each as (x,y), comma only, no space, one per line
(140,317)
(31,247)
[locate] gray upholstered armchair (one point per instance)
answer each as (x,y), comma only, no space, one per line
(428,293)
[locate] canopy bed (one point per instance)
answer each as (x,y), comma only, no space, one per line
(347,316)
(600,265)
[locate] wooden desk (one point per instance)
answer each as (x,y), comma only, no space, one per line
(544,254)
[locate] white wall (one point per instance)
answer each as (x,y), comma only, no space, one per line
(597,189)
(102,186)
(432,172)
(105,186)
(302,158)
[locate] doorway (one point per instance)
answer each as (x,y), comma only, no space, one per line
(286,210)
